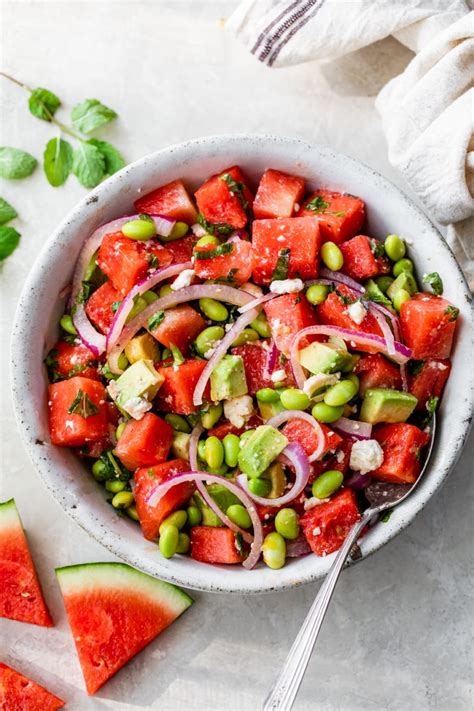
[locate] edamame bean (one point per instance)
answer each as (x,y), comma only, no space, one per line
(218,471)
(395,248)
(267,395)
(317,293)
(403,265)
(214,452)
(165,290)
(231,444)
(274,550)
(246,336)
(262,326)
(168,542)
(209,418)
(123,361)
(260,487)
(119,430)
(207,239)
(324,413)
(115,485)
(294,399)
(208,338)
(245,436)
(178,423)
(383,282)
(177,518)
(340,393)
(99,470)
(67,324)
(184,544)
(287,524)
(150,297)
(202,449)
(139,304)
(132,512)
(179,230)
(239,515)
(139,229)
(213,309)
(327,484)
(332,256)
(122,500)
(194,516)
(400,297)
(354,379)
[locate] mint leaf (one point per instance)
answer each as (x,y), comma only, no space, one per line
(178,358)
(9,239)
(88,165)
(317,205)
(15,163)
(435,281)
(236,188)
(214,228)
(90,115)
(114,160)
(155,320)
(7,212)
(281,267)
(57,161)
(43,104)
(452,312)
(219,251)
(82,405)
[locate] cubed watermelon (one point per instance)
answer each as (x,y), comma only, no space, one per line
(255,357)
(287,314)
(364,258)
(340,215)
(234,265)
(225,198)
(295,241)
(333,312)
(176,392)
(428,323)
(171,200)
(144,442)
(375,371)
(327,525)
(277,195)
(211,544)
(77,412)
(182,249)
(180,326)
(338,460)
(428,380)
(402,446)
(304,433)
(147,479)
(126,261)
(68,359)
(99,307)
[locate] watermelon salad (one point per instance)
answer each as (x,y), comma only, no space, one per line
(238,365)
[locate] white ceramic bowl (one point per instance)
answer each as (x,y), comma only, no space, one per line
(35,331)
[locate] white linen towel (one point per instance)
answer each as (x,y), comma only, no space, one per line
(427,112)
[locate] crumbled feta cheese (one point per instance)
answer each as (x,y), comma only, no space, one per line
(312,502)
(321,380)
(286,286)
(113,389)
(182,280)
(442,366)
(136,407)
(316,531)
(277,376)
(238,410)
(357,312)
(339,456)
(296,207)
(366,455)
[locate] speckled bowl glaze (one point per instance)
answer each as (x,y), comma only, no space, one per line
(35,331)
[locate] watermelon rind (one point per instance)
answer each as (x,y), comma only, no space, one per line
(9,514)
(88,577)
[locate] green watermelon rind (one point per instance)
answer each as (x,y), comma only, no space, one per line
(88,577)
(9,515)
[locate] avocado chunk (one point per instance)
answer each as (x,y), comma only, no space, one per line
(180,445)
(383,405)
(260,450)
(323,358)
(406,281)
(376,295)
(137,385)
(276,476)
(142,347)
(223,498)
(269,409)
(228,379)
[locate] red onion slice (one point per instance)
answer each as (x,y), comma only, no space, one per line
(256,302)
(282,417)
(193,445)
(146,284)
(189,293)
(256,546)
(386,330)
(358,481)
(402,353)
(272,360)
(198,230)
(220,352)
(360,430)
(404,374)
(342,279)
(298,547)
(297,457)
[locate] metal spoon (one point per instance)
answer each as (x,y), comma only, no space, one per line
(381,497)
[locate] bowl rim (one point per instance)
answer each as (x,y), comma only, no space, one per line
(26,417)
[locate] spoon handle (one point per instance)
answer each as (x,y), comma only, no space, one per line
(286,687)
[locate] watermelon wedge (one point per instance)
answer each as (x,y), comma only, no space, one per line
(114,611)
(20,592)
(18,693)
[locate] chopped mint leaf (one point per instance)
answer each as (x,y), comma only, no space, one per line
(155,320)
(453,312)
(317,205)
(283,262)
(435,281)
(236,188)
(214,229)
(219,251)
(83,406)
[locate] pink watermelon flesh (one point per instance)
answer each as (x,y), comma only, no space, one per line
(114,611)
(18,693)
(21,598)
